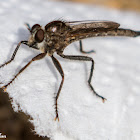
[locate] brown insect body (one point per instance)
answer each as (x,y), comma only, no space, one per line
(57,35)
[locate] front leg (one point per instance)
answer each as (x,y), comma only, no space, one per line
(85,58)
(59,68)
(38,57)
(14,54)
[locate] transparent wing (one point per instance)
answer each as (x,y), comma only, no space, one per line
(92,24)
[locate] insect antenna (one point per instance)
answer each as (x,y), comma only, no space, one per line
(28,26)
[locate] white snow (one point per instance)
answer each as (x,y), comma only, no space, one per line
(82,115)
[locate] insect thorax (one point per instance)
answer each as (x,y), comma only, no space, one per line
(55,36)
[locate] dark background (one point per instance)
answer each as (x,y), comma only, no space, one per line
(15,125)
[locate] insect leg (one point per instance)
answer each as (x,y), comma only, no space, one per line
(85,58)
(81,49)
(38,57)
(13,56)
(59,68)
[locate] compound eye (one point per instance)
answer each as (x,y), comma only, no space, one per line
(39,36)
(34,27)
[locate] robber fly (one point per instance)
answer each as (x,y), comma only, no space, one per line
(57,35)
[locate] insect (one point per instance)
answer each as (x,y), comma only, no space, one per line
(57,35)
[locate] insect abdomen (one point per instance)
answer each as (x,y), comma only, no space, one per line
(82,34)
(122,32)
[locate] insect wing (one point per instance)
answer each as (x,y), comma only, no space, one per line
(92,24)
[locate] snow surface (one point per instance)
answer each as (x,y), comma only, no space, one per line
(82,115)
